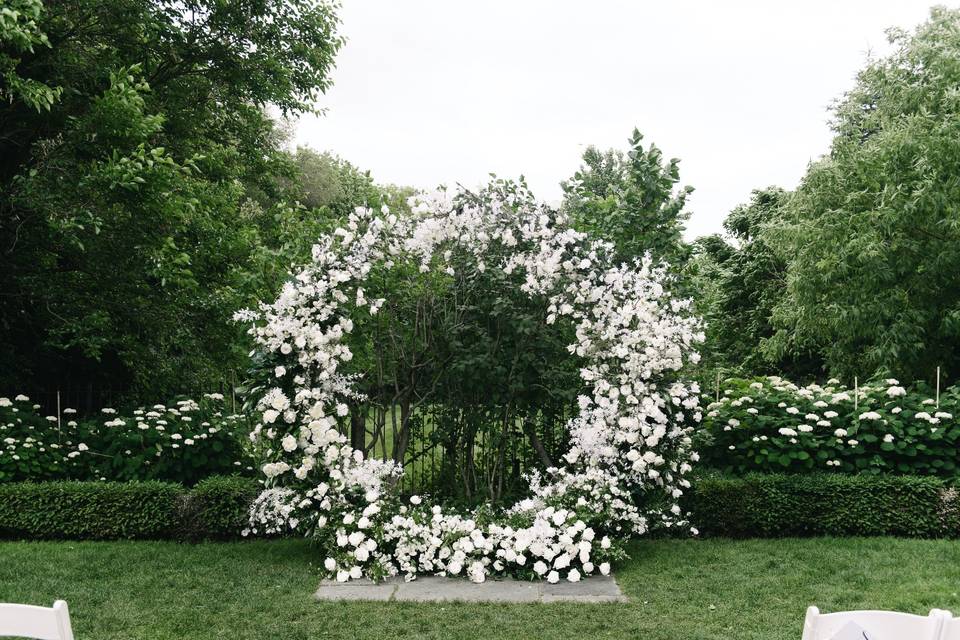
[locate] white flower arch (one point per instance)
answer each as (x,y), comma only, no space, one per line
(630,444)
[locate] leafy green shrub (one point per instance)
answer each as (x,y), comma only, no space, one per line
(181,443)
(31,445)
(89,510)
(780,505)
(770,425)
(218,507)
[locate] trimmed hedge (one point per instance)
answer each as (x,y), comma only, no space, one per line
(89,510)
(765,506)
(215,509)
(772,506)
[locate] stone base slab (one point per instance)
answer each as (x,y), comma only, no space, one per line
(594,589)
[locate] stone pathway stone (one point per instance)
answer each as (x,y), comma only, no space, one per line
(594,589)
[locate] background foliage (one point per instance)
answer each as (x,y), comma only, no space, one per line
(631,199)
(854,273)
(873,229)
(144,190)
(147,191)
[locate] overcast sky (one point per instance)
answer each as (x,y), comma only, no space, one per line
(445,91)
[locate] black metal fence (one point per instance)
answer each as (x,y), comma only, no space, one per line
(489,465)
(89,400)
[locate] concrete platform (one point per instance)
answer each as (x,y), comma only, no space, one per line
(594,589)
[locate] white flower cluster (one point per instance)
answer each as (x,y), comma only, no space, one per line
(154,434)
(881,422)
(556,543)
(630,444)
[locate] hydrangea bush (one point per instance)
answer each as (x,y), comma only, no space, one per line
(630,446)
(30,444)
(772,425)
(183,443)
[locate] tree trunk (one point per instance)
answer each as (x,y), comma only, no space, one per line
(358,428)
(531,431)
(402,438)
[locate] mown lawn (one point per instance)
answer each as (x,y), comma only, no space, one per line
(679,589)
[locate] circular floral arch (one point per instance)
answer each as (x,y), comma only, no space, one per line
(630,443)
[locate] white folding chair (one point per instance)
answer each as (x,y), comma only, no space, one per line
(40,623)
(877,625)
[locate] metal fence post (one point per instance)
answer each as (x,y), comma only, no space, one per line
(938,387)
(856,394)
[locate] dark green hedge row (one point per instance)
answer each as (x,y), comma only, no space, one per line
(770,506)
(216,508)
(753,506)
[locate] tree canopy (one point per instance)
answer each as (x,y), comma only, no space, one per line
(872,235)
(147,191)
(142,180)
(632,199)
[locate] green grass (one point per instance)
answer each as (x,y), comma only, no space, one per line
(691,589)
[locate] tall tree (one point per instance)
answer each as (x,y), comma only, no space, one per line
(326,180)
(872,235)
(132,132)
(739,279)
(633,199)
(753,281)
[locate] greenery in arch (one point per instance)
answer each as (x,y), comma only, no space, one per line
(480,360)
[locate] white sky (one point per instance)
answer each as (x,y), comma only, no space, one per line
(430,92)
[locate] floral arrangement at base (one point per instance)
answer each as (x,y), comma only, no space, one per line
(631,446)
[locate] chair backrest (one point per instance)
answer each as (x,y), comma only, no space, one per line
(40,623)
(951,629)
(877,625)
